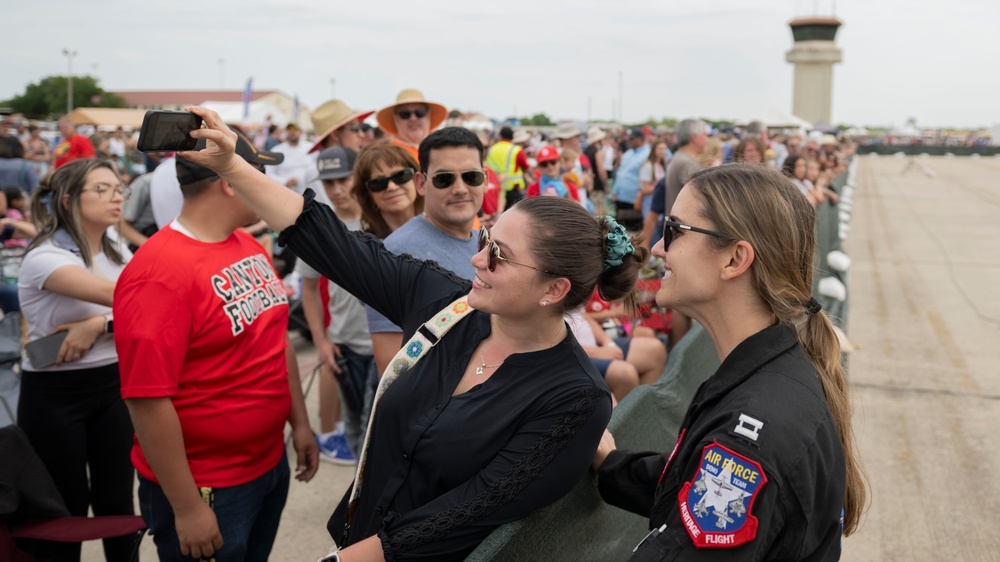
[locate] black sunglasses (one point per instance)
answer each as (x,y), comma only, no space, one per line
(547,163)
(472,178)
(355,128)
(406,113)
(493,255)
(672,229)
(376,185)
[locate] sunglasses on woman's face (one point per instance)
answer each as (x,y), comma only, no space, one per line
(673,229)
(547,163)
(407,113)
(472,178)
(401,177)
(493,254)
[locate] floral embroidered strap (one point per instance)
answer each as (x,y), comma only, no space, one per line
(405,359)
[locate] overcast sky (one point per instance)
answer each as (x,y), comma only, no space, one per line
(936,61)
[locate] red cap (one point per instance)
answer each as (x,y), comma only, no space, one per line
(647,131)
(547,153)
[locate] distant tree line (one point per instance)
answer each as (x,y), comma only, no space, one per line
(46,99)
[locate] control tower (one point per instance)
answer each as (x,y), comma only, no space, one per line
(813,54)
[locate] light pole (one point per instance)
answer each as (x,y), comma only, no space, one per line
(69,79)
(621,102)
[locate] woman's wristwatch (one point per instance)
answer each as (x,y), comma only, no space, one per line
(109,324)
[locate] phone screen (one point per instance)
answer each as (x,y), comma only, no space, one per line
(168,131)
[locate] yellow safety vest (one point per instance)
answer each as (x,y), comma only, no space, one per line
(502,159)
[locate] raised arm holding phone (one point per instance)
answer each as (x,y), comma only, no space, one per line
(503,414)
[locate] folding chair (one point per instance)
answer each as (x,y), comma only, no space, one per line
(32,509)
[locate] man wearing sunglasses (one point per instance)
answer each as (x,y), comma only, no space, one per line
(452,181)
(411,119)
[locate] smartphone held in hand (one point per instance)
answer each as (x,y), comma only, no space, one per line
(168,131)
(43,352)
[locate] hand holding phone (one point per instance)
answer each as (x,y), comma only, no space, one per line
(168,131)
(44,352)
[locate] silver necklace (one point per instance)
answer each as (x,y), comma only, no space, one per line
(480,369)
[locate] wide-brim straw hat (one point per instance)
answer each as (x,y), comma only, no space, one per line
(521,136)
(595,134)
(567,131)
(330,116)
(385,116)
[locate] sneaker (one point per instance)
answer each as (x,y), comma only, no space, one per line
(334,449)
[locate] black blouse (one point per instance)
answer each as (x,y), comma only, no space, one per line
(443,471)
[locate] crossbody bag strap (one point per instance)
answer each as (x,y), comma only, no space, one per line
(426,337)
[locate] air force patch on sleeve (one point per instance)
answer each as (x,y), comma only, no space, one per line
(715,506)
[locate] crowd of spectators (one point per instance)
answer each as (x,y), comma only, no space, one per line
(75,207)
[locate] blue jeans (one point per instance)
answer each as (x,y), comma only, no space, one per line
(248,516)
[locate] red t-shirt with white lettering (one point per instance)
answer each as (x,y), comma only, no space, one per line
(204,324)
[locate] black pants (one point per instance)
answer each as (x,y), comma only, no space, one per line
(77,420)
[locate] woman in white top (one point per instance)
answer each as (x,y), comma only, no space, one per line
(70,405)
(654,168)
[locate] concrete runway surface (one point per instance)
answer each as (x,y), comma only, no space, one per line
(925,317)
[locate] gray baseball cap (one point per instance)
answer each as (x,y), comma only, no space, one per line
(335,163)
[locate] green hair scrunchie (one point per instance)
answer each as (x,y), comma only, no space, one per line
(617,245)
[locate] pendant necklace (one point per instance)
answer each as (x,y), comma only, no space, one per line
(483,365)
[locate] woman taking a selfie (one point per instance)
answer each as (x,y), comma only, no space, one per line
(71,407)
(765,466)
(502,415)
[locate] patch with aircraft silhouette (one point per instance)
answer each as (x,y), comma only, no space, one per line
(716,505)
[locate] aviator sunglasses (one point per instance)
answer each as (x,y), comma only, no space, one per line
(472,178)
(376,185)
(493,254)
(672,229)
(406,113)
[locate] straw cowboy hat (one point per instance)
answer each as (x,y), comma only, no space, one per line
(330,116)
(567,131)
(521,136)
(595,134)
(385,115)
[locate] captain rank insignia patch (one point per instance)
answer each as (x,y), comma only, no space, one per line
(716,505)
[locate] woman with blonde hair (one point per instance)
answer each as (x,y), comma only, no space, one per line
(765,465)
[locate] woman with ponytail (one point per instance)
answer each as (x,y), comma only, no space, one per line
(502,414)
(765,466)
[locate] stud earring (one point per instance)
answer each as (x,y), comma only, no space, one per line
(545,302)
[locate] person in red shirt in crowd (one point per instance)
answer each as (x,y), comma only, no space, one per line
(73,145)
(201,318)
(550,181)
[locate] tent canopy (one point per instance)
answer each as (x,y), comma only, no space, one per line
(107,117)
(777,119)
(232,112)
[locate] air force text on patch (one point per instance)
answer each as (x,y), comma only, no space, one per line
(248,288)
(716,505)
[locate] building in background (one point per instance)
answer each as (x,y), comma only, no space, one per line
(814,54)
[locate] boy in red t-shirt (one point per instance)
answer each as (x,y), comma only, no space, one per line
(73,145)
(201,317)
